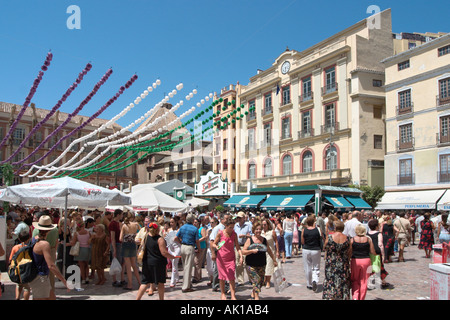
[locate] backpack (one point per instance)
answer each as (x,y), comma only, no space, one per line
(22,268)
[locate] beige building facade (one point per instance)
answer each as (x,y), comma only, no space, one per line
(225,142)
(418,117)
(319,113)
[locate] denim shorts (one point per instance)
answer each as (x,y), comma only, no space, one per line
(129,249)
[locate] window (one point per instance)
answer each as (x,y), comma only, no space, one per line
(18,136)
(444,168)
(405,171)
(406,138)
(19,156)
(170,176)
(403,65)
(444,91)
(306,89)
(287,165)
(330,80)
(267,134)
(180,177)
(443,51)
(377,112)
(404,101)
(331,158)
(225,144)
(306,124)
(268,167)
(377,83)
(251,139)
(330,117)
(189,176)
(225,164)
(286,91)
(286,127)
(444,133)
(377,141)
(268,103)
(252,112)
(307,161)
(252,170)
(411,45)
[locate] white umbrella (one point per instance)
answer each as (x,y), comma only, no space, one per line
(151,199)
(63,193)
(196,202)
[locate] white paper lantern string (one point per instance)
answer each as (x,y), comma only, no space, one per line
(83,138)
(99,143)
(122,144)
(118,143)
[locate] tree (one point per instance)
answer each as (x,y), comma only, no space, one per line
(372,195)
(7,174)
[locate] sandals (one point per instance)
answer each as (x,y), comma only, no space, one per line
(385,285)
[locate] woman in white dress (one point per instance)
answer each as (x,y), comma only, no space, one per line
(269,233)
(174,248)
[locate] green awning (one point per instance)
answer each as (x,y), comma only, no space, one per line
(244,201)
(358,203)
(338,201)
(286,202)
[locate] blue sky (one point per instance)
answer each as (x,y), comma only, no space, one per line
(205,44)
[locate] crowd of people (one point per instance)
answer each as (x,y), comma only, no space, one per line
(225,247)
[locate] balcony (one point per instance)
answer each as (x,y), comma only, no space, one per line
(442,138)
(267,110)
(329,88)
(266,143)
(406,108)
(405,179)
(442,101)
(329,127)
(286,135)
(443,176)
(405,145)
(306,133)
(250,147)
(306,96)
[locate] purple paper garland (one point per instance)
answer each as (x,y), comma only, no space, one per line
(53,110)
(128,84)
(31,93)
(77,110)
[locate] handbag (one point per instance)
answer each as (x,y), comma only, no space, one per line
(375,260)
(141,250)
(75,250)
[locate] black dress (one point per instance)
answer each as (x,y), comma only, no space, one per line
(154,263)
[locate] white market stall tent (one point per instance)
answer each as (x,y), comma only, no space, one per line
(150,199)
(196,202)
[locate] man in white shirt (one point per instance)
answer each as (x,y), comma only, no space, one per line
(349,227)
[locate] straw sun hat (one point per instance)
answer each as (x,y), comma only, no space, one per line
(44,223)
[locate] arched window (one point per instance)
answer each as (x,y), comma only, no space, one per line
(251,170)
(307,161)
(287,165)
(331,158)
(268,167)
